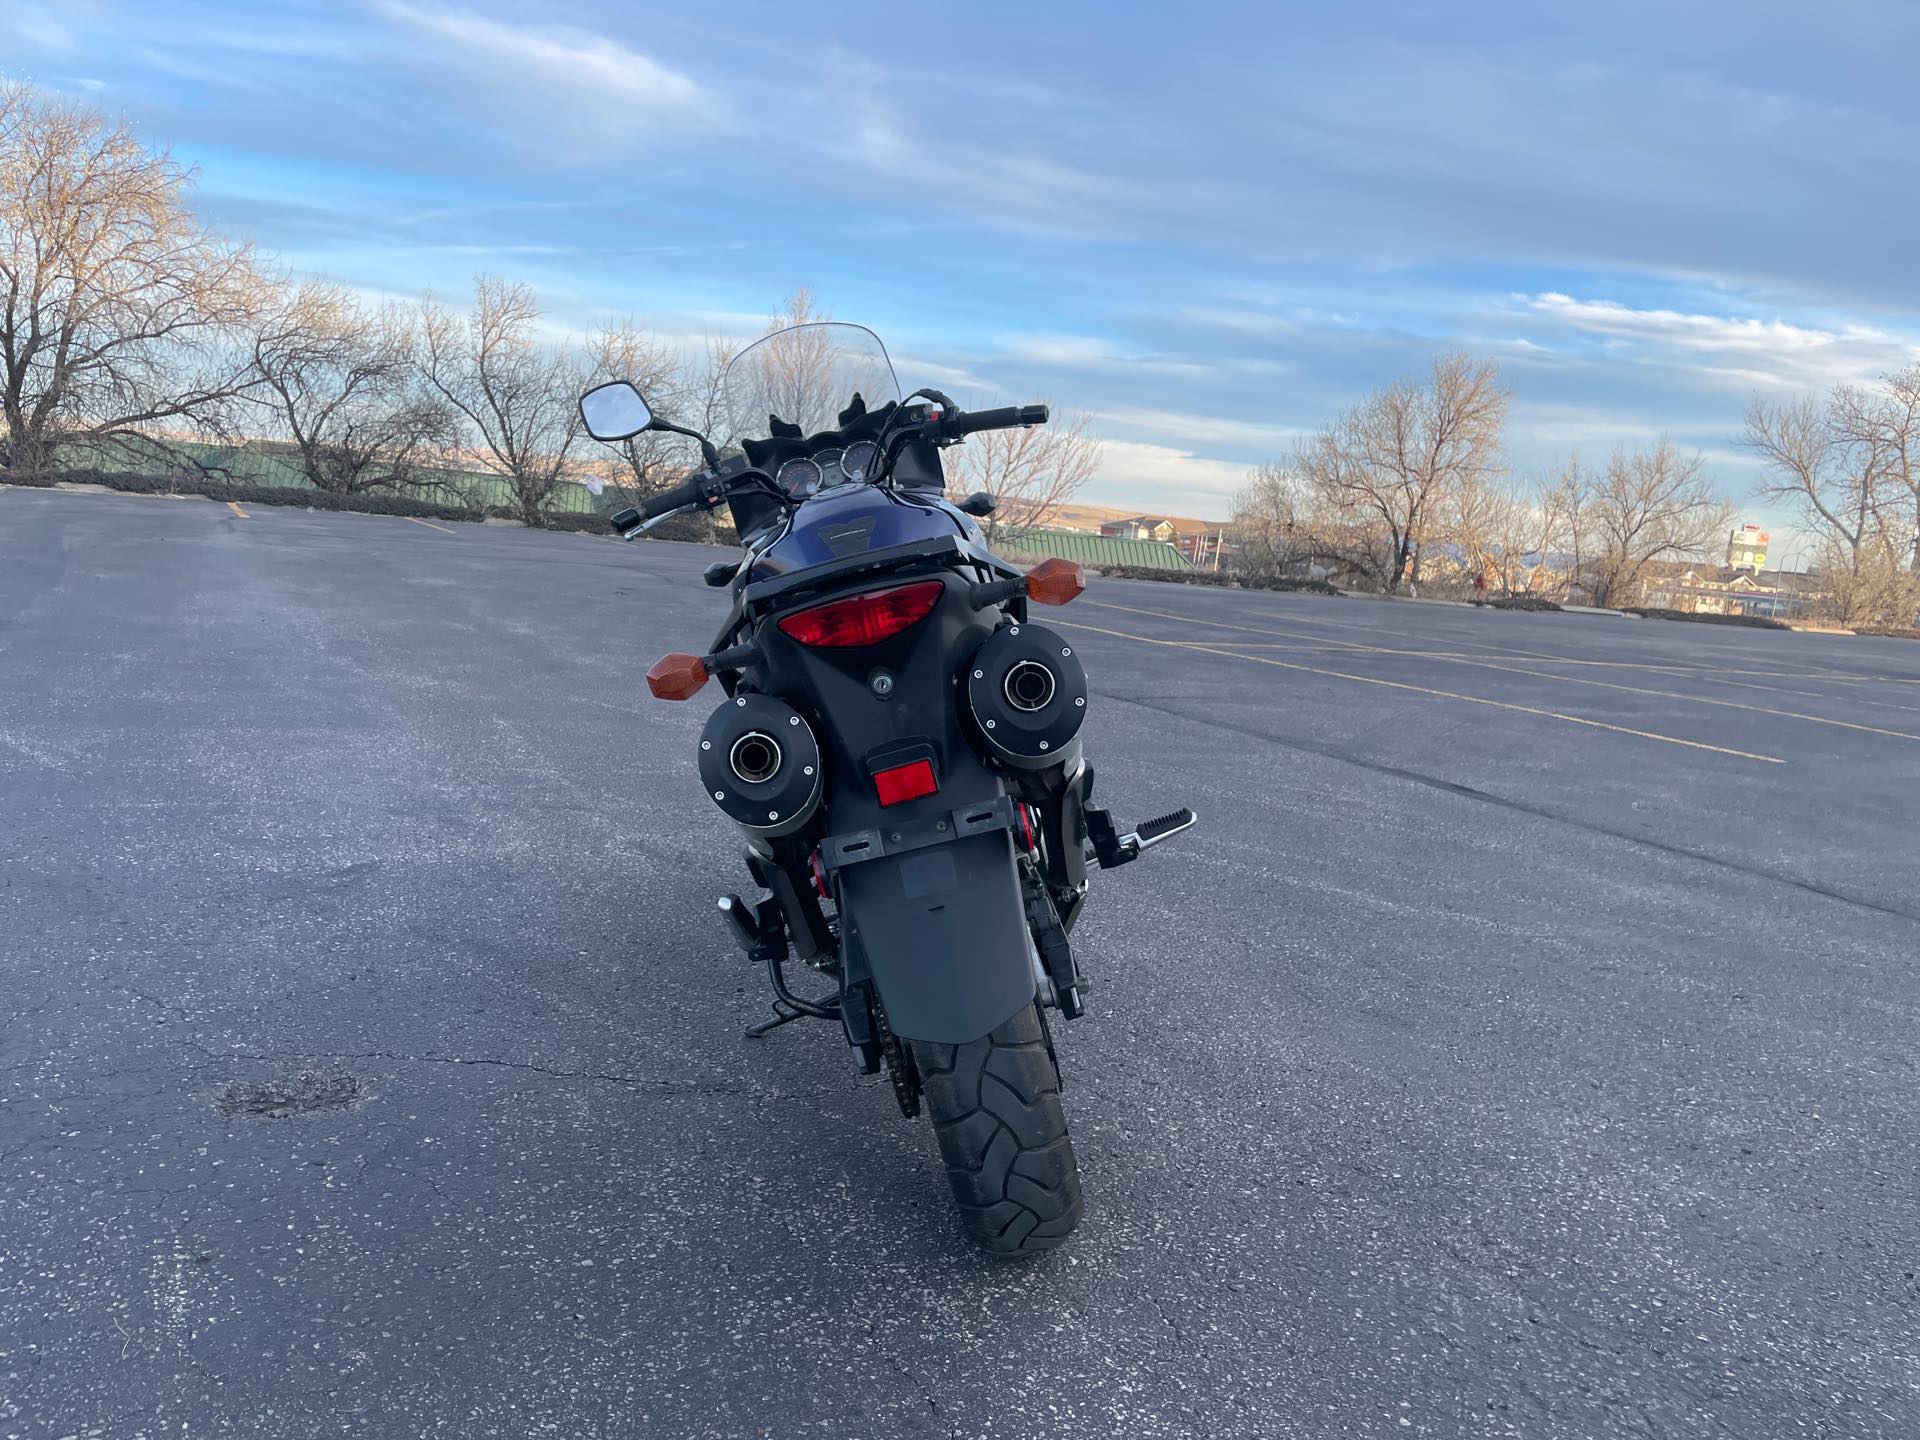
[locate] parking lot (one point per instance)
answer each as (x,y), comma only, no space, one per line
(1523,1043)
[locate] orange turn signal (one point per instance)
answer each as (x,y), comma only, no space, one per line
(1056,581)
(677,677)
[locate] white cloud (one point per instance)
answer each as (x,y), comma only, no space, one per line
(1740,352)
(37,25)
(582,71)
(1087,352)
(1166,478)
(1205,429)
(1703,332)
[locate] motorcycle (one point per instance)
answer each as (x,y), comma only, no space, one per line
(901,746)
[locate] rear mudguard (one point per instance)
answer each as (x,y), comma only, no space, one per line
(943,932)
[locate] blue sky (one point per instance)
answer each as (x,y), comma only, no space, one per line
(1213,227)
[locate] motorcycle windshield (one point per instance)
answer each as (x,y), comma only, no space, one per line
(807,376)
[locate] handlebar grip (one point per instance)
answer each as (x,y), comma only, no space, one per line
(672,499)
(1005,418)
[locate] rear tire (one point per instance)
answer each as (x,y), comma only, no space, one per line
(995,1107)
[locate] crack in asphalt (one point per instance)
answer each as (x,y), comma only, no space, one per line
(650,1084)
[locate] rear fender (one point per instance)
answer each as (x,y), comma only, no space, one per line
(941,926)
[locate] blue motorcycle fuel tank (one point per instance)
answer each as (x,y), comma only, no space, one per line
(851,520)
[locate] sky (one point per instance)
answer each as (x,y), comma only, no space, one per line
(1209,227)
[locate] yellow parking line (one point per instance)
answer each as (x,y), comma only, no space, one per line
(430,525)
(1694,699)
(1701,671)
(1810,694)
(1426,690)
(1489,664)
(234,505)
(1339,647)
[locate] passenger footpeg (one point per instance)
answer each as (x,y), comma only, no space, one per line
(1111,849)
(1163,827)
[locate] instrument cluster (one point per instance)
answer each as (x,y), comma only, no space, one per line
(809,474)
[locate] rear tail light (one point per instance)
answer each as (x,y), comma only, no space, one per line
(864,619)
(905,782)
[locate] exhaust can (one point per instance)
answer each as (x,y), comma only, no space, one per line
(1027,693)
(760,762)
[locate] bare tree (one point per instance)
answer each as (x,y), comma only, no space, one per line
(1486,526)
(1825,461)
(1869,584)
(1849,464)
(119,311)
(1385,466)
(703,392)
(1270,534)
(652,460)
(1561,500)
(1030,472)
(1648,506)
(340,382)
(803,376)
(518,394)
(1899,437)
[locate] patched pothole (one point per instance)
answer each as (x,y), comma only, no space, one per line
(311,1092)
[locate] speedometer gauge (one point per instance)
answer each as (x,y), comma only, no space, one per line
(799,477)
(860,459)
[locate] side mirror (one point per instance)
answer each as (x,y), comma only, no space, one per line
(615,411)
(978,503)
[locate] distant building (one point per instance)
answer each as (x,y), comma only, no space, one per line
(1733,590)
(1141,527)
(1747,548)
(1208,547)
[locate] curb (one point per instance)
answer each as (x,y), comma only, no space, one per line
(1406,599)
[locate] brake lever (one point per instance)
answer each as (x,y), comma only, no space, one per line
(660,519)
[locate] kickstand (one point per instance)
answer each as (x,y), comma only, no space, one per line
(783,1014)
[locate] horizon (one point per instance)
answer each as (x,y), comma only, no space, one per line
(1644,221)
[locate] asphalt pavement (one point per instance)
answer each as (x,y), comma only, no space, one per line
(1523,1043)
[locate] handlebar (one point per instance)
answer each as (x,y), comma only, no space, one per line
(626,523)
(708,489)
(674,499)
(1005,418)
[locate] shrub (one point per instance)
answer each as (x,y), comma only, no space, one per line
(1308,587)
(1519,602)
(1755,622)
(1167,577)
(1888,632)
(215,488)
(690,529)
(1221,579)
(580,524)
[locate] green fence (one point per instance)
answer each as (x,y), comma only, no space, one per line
(1094,549)
(263,465)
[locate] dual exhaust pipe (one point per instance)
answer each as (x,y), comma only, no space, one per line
(1026,695)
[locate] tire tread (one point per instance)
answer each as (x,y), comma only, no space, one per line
(995,1107)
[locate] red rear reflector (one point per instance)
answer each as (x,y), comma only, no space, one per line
(864,619)
(905,782)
